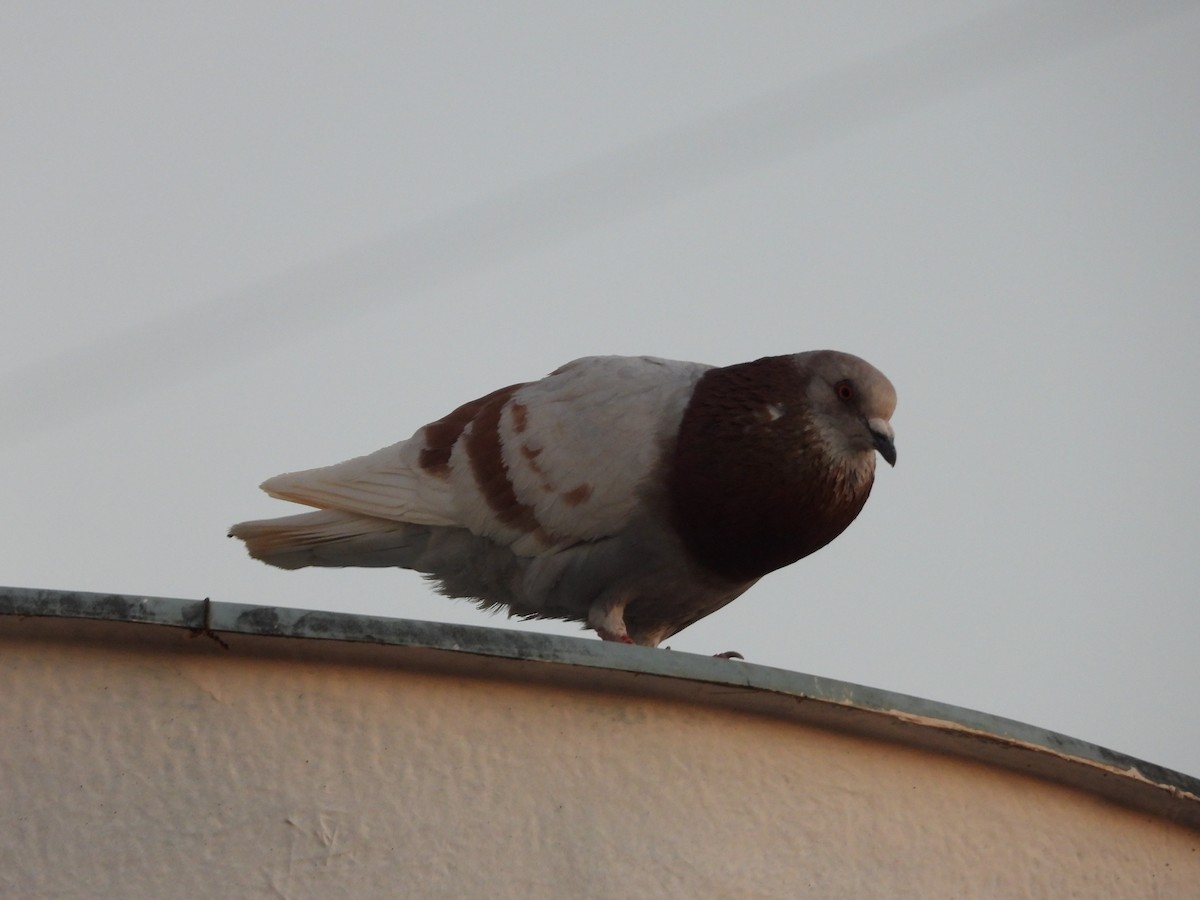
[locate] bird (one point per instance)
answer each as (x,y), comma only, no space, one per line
(633,494)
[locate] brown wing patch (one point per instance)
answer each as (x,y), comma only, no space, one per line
(530,455)
(491,474)
(520,415)
(577,495)
(442,435)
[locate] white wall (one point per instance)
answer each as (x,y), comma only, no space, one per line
(139,761)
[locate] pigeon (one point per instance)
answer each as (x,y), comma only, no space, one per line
(636,495)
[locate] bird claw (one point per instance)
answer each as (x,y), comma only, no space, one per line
(728,654)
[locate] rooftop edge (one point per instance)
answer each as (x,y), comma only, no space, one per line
(590,663)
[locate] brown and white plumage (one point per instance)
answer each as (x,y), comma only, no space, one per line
(635,494)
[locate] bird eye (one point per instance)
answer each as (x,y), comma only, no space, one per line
(844,390)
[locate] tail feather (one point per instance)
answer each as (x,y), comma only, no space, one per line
(332,538)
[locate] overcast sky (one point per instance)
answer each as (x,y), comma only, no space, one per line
(246,238)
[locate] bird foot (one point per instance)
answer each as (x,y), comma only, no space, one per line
(620,637)
(728,654)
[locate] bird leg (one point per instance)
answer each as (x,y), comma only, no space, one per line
(619,637)
(607,619)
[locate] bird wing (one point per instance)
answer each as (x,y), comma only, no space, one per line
(536,467)
(381,485)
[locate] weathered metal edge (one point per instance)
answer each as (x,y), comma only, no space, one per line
(1175,794)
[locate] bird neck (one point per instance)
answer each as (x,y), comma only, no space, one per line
(752,485)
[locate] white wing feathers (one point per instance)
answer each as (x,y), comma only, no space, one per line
(535,467)
(579,444)
(385,484)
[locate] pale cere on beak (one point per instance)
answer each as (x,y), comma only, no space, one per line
(885,439)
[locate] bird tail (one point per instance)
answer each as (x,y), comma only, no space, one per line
(332,538)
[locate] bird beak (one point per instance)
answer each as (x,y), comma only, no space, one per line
(884,439)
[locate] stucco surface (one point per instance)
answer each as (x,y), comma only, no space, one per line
(142,761)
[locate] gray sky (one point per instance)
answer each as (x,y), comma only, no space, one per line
(241,239)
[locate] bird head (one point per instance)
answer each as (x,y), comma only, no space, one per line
(851,404)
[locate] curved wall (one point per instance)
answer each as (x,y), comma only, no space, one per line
(292,754)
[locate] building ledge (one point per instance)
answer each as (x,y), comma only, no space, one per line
(592,665)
